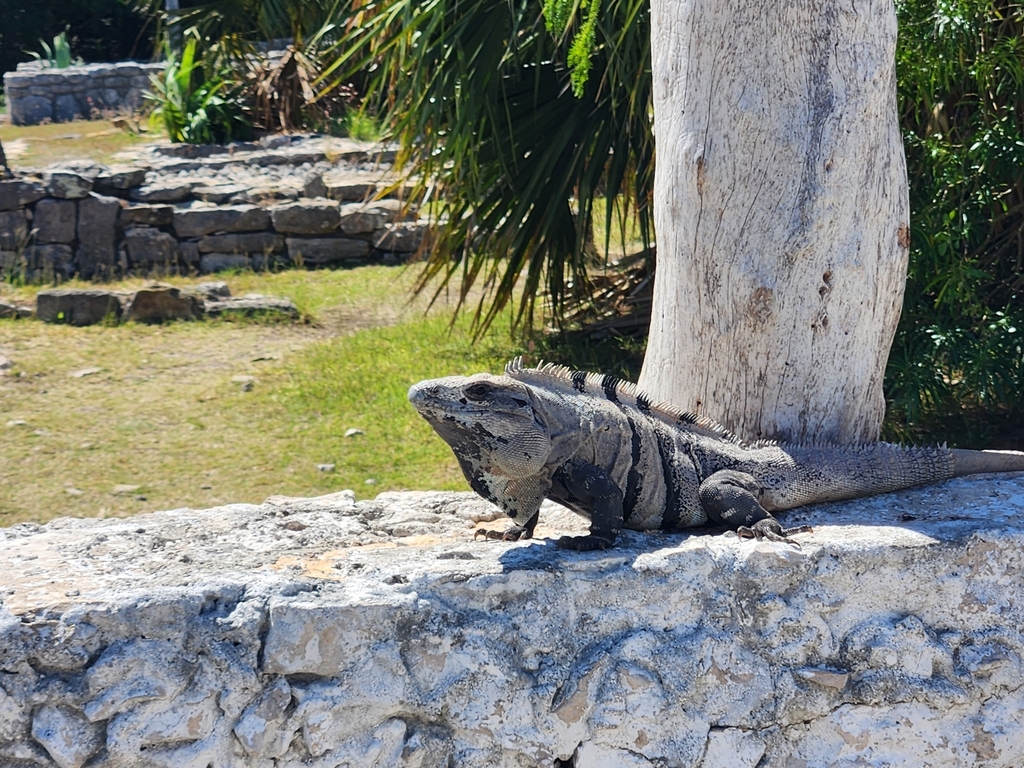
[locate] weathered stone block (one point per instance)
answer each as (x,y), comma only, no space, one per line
(326,250)
(251,304)
(160,304)
(17,193)
(196,222)
(47,262)
(66,109)
(161,193)
(220,193)
(404,237)
(13,230)
(97,234)
(148,247)
(120,179)
(68,737)
(147,215)
(76,307)
(272,635)
(349,187)
(22,312)
(246,242)
(306,217)
(218,262)
(30,110)
(55,221)
(313,185)
(364,218)
(67,184)
(188,254)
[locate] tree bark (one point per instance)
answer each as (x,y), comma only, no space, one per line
(782,213)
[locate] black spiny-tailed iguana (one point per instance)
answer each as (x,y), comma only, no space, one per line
(600,447)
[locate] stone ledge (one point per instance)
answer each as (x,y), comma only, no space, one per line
(331,632)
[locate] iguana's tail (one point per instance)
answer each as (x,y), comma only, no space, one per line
(978,462)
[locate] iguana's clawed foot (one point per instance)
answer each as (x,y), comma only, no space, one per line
(771,529)
(512,533)
(589,543)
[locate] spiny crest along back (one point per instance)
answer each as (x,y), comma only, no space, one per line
(563,379)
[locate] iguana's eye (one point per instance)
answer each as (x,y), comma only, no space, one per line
(478,392)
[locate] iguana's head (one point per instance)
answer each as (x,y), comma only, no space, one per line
(489,422)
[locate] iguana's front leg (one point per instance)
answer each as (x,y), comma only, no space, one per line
(728,497)
(513,532)
(592,489)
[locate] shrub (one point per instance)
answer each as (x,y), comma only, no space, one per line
(197,109)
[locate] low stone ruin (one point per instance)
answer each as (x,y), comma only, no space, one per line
(332,632)
(153,303)
(37,93)
(285,202)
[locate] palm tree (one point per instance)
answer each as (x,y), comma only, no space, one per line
(512,162)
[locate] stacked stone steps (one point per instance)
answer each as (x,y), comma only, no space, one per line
(152,217)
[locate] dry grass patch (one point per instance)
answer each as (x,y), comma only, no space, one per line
(206,413)
(34,146)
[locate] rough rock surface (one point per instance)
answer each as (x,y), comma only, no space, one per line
(327,632)
(76,306)
(161,303)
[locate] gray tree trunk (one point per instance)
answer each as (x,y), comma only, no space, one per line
(782,213)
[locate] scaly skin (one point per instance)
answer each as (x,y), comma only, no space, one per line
(600,447)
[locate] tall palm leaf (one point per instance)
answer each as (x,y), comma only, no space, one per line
(512,163)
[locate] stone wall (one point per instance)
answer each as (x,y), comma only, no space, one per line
(329,632)
(38,94)
(246,206)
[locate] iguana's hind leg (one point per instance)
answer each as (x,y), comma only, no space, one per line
(730,498)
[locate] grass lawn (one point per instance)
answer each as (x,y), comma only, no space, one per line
(167,411)
(34,146)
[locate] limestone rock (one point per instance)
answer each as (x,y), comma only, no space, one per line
(48,262)
(218,262)
(244,242)
(350,187)
(119,179)
(212,291)
(76,307)
(68,737)
(150,247)
(196,222)
(364,218)
(313,185)
(160,304)
(55,221)
(97,234)
(305,217)
(9,310)
(404,237)
(252,304)
(167,192)
(334,632)
(146,215)
(13,230)
(68,184)
(320,251)
(219,193)
(17,193)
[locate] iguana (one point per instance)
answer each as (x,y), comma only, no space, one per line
(600,447)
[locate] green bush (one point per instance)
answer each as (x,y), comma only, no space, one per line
(59,56)
(957,369)
(196,109)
